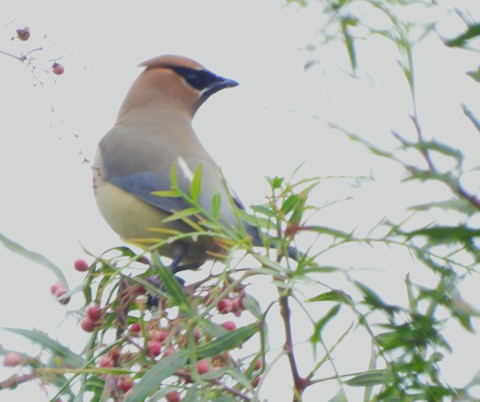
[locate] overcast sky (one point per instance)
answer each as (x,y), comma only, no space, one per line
(272,123)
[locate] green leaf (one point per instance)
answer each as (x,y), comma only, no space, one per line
(173,287)
(374,300)
(191,395)
(154,376)
(454,204)
(196,184)
(231,340)
(275,182)
(68,357)
(321,324)
(462,39)
(185,213)
(216,202)
(264,209)
(349,42)
(445,234)
(33,256)
(332,296)
(329,231)
(368,378)
(252,305)
(290,203)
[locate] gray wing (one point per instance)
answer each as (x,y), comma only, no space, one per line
(143,184)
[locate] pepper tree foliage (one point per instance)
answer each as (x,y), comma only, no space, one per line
(155,336)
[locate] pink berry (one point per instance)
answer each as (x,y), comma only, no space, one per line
(56,286)
(202,366)
(169,351)
(81,265)
(258,364)
(162,335)
(224,306)
(124,384)
(57,68)
(154,348)
(59,295)
(95,313)
(135,328)
(173,396)
(106,362)
(196,334)
(12,359)
(87,324)
(256,381)
(229,325)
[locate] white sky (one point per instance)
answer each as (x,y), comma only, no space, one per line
(269,125)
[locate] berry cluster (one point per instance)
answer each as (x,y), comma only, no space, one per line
(150,325)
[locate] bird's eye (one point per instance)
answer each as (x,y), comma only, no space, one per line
(198,79)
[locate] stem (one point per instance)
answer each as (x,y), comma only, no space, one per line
(21,59)
(299,383)
(15,380)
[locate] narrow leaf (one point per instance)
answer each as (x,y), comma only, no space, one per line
(321,324)
(228,341)
(173,288)
(182,214)
(216,201)
(153,377)
(368,379)
(68,357)
(196,184)
(33,256)
(332,296)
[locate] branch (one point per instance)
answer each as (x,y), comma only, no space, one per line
(299,383)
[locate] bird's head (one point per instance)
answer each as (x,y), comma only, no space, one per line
(178,81)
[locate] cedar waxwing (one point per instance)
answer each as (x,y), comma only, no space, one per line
(154,131)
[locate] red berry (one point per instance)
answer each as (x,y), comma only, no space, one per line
(57,68)
(59,295)
(202,366)
(135,327)
(224,306)
(154,348)
(258,364)
(81,265)
(23,33)
(106,362)
(256,381)
(95,312)
(229,325)
(124,384)
(87,324)
(196,334)
(12,359)
(173,396)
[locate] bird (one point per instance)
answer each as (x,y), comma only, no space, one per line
(134,160)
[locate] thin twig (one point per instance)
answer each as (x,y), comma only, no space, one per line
(15,380)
